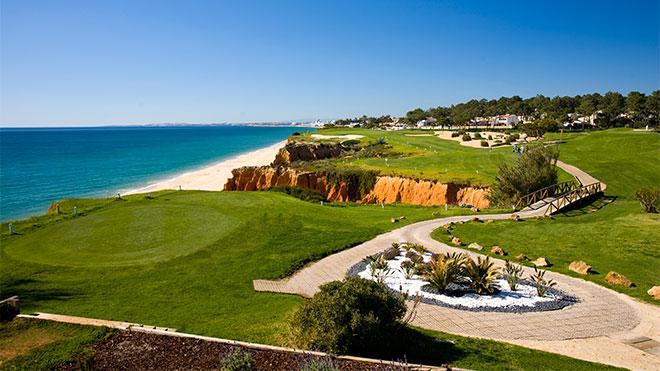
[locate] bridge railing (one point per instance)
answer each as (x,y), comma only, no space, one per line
(572,197)
(543,193)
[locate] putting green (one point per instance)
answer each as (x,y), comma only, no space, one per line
(125,236)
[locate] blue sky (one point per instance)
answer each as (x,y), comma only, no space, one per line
(135,61)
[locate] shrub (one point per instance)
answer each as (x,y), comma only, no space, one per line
(513,274)
(420,249)
(466,138)
(482,275)
(358,182)
(347,316)
(8,310)
(542,285)
(490,137)
(320,364)
(476,136)
(484,143)
(391,253)
(649,199)
(533,170)
(414,257)
(454,134)
(445,269)
(304,194)
(408,269)
(378,268)
(513,137)
(237,360)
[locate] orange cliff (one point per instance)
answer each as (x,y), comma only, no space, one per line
(387,189)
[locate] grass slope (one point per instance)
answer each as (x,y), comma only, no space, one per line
(183,259)
(43,345)
(613,234)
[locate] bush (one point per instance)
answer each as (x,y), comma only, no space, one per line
(320,364)
(445,269)
(533,170)
(490,137)
(237,360)
(466,138)
(454,134)
(347,317)
(649,199)
(513,137)
(513,274)
(477,136)
(358,182)
(8,310)
(542,285)
(482,275)
(391,253)
(484,143)
(300,193)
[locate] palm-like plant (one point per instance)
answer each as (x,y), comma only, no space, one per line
(378,268)
(542,285)
(513,274)
(445,269)
(482,275)
(408,269)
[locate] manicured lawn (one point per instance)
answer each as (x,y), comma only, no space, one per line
(613,234)
(183,259)
(43,345)
(30,344)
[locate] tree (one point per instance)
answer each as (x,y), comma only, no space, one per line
(354,316)
(533,170)
(653,107)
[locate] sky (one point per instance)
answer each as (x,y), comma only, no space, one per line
(86,63)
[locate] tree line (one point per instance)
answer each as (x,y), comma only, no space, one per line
(612,109)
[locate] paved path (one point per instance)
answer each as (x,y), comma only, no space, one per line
(605,326)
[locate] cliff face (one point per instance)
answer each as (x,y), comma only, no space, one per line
(386,190)
(295,151)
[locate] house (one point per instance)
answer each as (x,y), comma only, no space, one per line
(429,121)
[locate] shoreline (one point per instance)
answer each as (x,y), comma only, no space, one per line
(212,177)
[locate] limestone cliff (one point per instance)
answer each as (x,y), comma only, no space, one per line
(301,151)
(387,189)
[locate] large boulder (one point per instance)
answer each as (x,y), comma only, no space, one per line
(654,292)
(541,262)
(615,278)
(475,246)
(580,267)
(497,250)
(522,257)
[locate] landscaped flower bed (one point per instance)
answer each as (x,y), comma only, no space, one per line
(395,268)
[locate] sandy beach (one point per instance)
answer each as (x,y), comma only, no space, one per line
(213,177)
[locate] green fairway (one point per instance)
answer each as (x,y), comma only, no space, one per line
(613,234)
(183,259)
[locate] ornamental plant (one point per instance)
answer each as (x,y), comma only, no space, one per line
(542,285)
(513,274)
(482,275)
(444,269)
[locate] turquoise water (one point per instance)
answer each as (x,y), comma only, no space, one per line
(39,166)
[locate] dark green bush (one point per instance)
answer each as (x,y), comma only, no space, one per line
(484,143)
(300,193)
(466,138)
(237,360)
(8,310)
(476,136)
(354,316)
(649,199)
(533,170)
(454,134)
(358,182)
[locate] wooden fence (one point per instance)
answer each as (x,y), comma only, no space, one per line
(572,197)
(543,193)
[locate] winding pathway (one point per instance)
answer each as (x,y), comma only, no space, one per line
(604,326)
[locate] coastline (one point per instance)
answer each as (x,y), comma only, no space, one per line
(212,177)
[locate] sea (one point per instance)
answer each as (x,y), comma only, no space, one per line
(42,165)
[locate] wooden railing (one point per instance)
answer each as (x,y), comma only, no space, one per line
(572,197)
(543,193)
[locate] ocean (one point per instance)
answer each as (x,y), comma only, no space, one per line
(39,166)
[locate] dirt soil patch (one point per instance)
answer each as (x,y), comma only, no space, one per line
(143,351)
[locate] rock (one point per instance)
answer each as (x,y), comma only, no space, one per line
(654,292)
(489,221)
(476,220)
(474,209)
(541,262)
(456,241)
(615,278)
(522,257)
(580,267)
(475,246)
(515,217)
(394,220)
(497,250)
(298,151)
